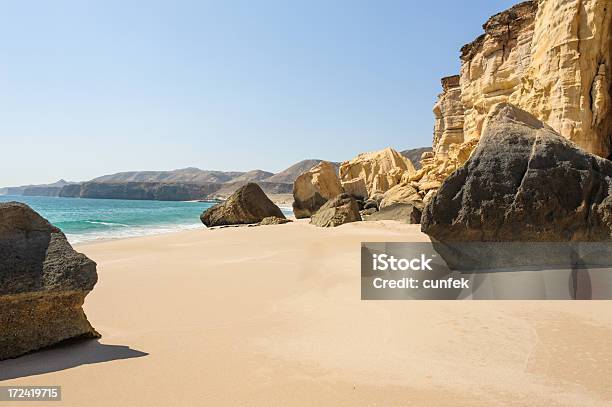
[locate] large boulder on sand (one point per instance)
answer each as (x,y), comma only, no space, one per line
(337,211)
(401,212)
(401,194)
(524,182)
(315,187)
(249,204)
(43,283)
(374,173)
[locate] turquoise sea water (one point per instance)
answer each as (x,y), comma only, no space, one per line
(85,220)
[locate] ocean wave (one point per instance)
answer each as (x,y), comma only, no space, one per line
(105,223)
(130,232)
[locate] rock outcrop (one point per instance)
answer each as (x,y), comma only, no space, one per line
(550,58)
(43,284)
(492,66)
(523,183)
(270,188)
(289,175)
(401,212)
(401,193)
(247,205)
(449,114)
(315,187)
(374,173)
(273,220)
(337,211)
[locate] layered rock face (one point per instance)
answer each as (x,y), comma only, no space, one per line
(247,205)
(493,65)
(523,183)
(449,114)
(315,187)
(567,83)
(374,173)
(337,211)
(551,58)
(43,284)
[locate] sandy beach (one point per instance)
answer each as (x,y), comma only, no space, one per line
(272,316)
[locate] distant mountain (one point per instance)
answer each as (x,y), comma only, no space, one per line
(182,184)
(253,176)
(43,189)
(268,187)
(161,191)
(188,175)
(290,174)
(414,155)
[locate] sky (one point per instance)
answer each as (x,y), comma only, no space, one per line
(96,87)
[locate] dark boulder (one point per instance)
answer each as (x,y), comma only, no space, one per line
(43,283)
(337,211)
(249,204)
(405,213)
(370,204)
(526,183)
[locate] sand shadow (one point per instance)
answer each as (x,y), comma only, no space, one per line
(63,356)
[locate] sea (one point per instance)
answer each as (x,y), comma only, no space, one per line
(86,220)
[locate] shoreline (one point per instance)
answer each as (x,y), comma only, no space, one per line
(147,233)
(190,228)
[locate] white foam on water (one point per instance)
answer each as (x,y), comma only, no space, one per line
(129,232)
(99,222)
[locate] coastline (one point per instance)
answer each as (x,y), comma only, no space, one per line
(76,242)
(272,315)
(86,220)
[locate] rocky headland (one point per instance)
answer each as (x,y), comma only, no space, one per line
(549,58)
(532,105)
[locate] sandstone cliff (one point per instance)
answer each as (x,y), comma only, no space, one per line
(314,188)
(290,174)
(374,173)
(550,58)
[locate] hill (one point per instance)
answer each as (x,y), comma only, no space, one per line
(253,176)
(289,175)
(187,175)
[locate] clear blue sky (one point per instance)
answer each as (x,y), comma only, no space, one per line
(95,87)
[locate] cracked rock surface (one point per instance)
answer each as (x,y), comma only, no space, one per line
(43,283)
(524,182)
